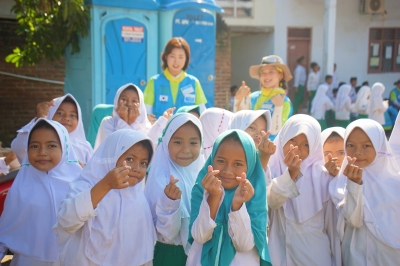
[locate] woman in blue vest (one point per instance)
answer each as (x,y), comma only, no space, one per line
(174,87)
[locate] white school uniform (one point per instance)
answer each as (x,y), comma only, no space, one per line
(119,231)
(361,104)
(394,140)
(321,103)
(313,81)
(109,124)
(31,206)
(81,146)
(171,217)
(369,213)
(215,121)
(301,214)
(376,106)
(300,76)
(343,105)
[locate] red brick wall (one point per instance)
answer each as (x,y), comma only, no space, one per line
(19,97)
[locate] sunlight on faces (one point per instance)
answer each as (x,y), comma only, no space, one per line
(301,142)
(334,146)
(255,128)
(185,143)
(230,160)
(44,149)
(67,115)
(137,157)
(129,97)
(176,61)
(270,77)
(359,145)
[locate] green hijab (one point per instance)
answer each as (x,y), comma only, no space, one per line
(219,250)
(189,108)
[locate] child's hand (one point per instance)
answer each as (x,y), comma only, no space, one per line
(293,162)
(278,100)
(169,112)
(133,113)
(172,191)
(211,183)
(81,164)
(118,177)
(266,147)
(242,92)
(152,118)
(331,165)
(122,111)
(42,109)
(243,193)
(353,172)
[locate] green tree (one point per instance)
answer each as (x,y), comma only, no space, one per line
(48,27)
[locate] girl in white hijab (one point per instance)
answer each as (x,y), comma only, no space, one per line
(66,111)
(32,202)
(320,104)
(177,163)
(361,104)
(105,219)
(343,106)
(376,106)
(215,121)
(333,148)
(366,194)
(130,113)
(301,216)
(394,140)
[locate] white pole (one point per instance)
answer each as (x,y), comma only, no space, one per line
(329,36)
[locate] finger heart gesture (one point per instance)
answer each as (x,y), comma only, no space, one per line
(266,146)
(172,191)
(331,166)
(352,171)
(243,193)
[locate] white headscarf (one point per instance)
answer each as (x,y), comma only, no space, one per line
(243,119)
(123,213)
(82,147)
(381,186)
(313,185)
(164,166)
(33,201)
(215,121)
(394,140)
(342,97)
(362,99)
(327,132)
(320,98)
(376,103)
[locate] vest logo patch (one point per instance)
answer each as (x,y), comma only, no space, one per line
(163,98)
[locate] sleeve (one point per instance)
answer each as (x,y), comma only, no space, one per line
(276,120)
(155,131)
(286,111)
(244,104)
(329,105)
(4,169)
(393,96)
(310,81)
(330,228)
(148,94)
(280,189)
(239,229)
(296,77)
(384,106)
(200,97)
(20,144)
(75,211)
(268,176)
(168,213)
(349,106)
(353,205)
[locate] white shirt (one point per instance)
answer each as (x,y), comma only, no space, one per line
(344,114)
(239,229)
(353,94)
(313,242)
(300,76)
(313,81)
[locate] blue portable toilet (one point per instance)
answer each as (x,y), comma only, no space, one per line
(195,21)
(122,47)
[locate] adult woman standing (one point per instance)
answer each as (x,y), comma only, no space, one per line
(174,87)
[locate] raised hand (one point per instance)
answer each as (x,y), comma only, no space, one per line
(169,112)
(266,146)
(122,111)
(243,193)
(172,191)
(211,183)
(152,118)
(42,109)
(331,165)
(293,162)
(242,92)
(352,171)
(118,177)
(133,113)
(278,100)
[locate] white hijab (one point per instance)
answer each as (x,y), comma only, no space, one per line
(381,186)
(376,103)
(243,119)
(33,201)
(362,99)
(123,214)
(327,132)
(164,166)
(343,96)
(320,98)
(215,121)
(82,147)
(313,185)
(394,140)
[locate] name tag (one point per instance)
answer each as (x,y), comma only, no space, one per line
(163,98)
(188,89)
(190,98)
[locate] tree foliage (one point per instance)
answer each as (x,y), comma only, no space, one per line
(48,28)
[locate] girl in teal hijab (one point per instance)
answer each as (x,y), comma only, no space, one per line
(192,109)
(228,221)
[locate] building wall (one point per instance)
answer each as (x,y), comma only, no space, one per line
(263,15)
(19,97)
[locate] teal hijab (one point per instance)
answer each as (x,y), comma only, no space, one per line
(219,250)
(99,112)
(189,108)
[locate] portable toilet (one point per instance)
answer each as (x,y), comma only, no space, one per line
(122,47)
(195,21)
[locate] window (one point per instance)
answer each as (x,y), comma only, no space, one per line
(384,50)
(237,8)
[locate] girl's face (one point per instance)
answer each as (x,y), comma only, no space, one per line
(185,143)
(176,61)
(137,157)
(255,128)
(301,142)
(230,160)
(128,98)
(44,149)
(270,77)
(67,115)
(335,147)
(360,146)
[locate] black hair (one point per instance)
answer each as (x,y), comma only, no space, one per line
(341,83)
(232,137)
(132,88)
(70,100)
(335,90)
(353,79)
(233,88)
(328,77)
(313,64)
(299,60)
(357,88)
(146,143)
(333,135)
(41,124)
(365,83)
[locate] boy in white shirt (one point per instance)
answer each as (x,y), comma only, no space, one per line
(312,82)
